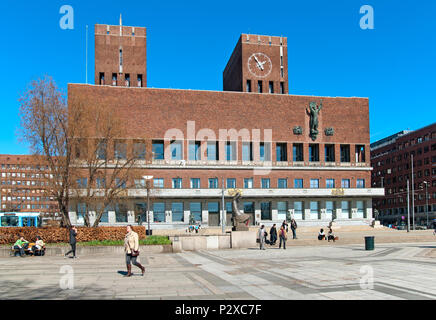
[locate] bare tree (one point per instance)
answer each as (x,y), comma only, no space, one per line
(105,165)
(45,127)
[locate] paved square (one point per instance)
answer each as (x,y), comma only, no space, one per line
(400,271)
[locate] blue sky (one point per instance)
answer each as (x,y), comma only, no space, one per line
(393,65)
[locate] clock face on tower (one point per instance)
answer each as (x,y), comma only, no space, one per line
(259,65)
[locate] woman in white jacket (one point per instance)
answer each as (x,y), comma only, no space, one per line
(131,247)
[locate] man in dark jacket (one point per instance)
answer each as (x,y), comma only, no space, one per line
(273,234)
(294,228)
(73,234)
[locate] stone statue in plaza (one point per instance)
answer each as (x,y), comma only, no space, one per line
(313,112)
(240,219)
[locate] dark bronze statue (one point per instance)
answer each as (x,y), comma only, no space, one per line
(313,111)
(240,219)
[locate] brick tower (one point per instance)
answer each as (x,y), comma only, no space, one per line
(120,55)
(258,64)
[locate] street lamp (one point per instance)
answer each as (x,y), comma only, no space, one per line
(147,180)
(426,199)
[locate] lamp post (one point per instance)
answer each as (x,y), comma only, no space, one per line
(413,192)
(426,199)
(147,184)
(223,217)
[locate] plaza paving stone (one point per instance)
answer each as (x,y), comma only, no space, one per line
(400,271)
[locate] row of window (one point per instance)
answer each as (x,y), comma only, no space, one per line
(212,151)
(25,183)
(38,199)
(127,82)
(29,206)
(403,210)
(23,175)
(23,167)
(259,88)
(177,209)
(213,183)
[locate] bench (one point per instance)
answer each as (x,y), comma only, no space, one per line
(28,251)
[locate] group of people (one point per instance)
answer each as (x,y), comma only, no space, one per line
(330,236)
(193,228)
(282,234)
(22,244)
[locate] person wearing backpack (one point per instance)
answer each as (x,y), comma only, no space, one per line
(294,228)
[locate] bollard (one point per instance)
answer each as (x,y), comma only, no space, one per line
(369,243)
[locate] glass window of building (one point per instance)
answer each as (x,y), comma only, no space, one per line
(159,212)
(360,209)
(231,150)
(345,183)
(120,150)
(298,210)
(248,183)
(313,152)
(158,149)
(298,183)
(345,206)
(360,153)
(314,210)
(176,150)
(177,183)
(360,183)
(248,86)
(330,183)
(177,211)
(195,208)
(314,183)
(141,211)
(329,207)
(231,183)
(120,212)
(212,150)
(229,207)
(265,182)
(158,182)
(120,183)
(282,183)
(265,210)
(213,207)
(281,152)
(213,183)
(194,150)
(139,150)
(265,151)
(247,151)
(282,210)
(101,150)
(81,211)
(329,151)
(297,152)
(195,183)
(345,153)
(271,87)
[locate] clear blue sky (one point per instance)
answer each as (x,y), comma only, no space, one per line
(393,65)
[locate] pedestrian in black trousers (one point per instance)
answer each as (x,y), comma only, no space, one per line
(73,234)
(294,228)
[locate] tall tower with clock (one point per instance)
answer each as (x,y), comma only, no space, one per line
(258,64)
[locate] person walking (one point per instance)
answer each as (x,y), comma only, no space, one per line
(262,237)
(131,247)
(73,235)
(273,235)
(294,228)
(283,237)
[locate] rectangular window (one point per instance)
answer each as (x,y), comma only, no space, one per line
(265,183)
(139,150)
(177,183)
(271,87)
(101,78)
(177,211)
(329,151)
(120,213)
(139,80)
(158,183)
(114,79)
(195,209)
(248,183)
(298,152)
(282,87)
(176,150)
(231,150)
(265,151)
(194,150)
(127,79)
(212,150)
(120,150)
(360,209)
(330,183)
(231,183)
(329,207)
(313,153)
(314,183)
(159,212)
(298,210)
(213,183)
(281,152)
(360,153)
(213,207)
(298,183)
(345,183)
(101,183)
(314,210)
(195,183)
(345,153)
(248,207)
(229,208)
(158,149)
(282,210)
(282,183)
(248,86)
(247,151)
(360,183)
(101,150)
(120,183)
(265,210)
(82,183)
(259,86)
(345,206)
